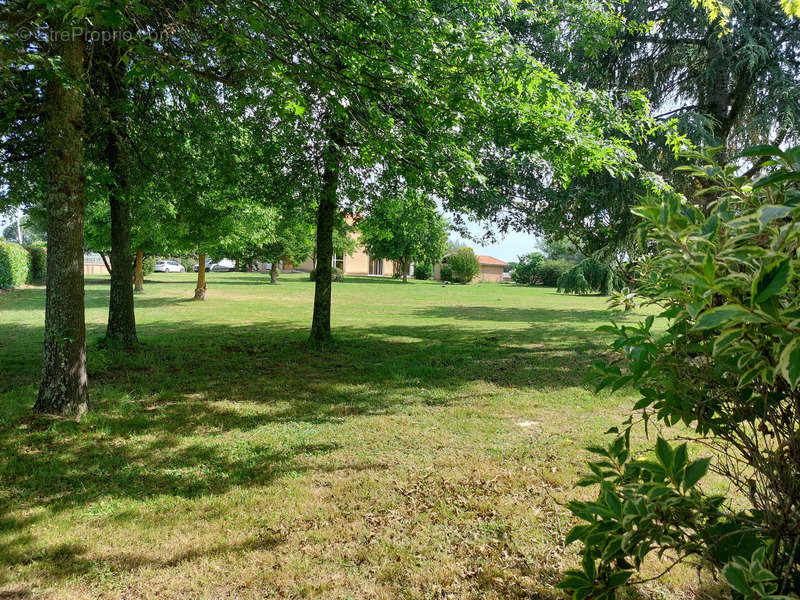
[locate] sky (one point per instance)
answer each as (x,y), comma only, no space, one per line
(506,248)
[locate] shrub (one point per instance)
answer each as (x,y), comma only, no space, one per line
(423,271)
(550,270)
(38,261)
(336,274)
(590,275)
(725,274)
(148,265)
(15,265)
(526,271)
(465,265)
(446,273)
(188,262)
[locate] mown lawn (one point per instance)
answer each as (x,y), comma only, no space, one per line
(426,456)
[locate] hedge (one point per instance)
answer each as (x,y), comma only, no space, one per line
(38,261)
(15,265)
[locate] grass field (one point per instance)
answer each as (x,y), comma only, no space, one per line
(426,456)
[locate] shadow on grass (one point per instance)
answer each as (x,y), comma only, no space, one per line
(535,316)
(157,411)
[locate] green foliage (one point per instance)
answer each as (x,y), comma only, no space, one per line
(465,265)
(423,270)
(446,273)
(148,264)
(589,276)
(549,271)
(38,254)
(526,271)
(725,274)
(406,228)
(15,265)
(336,274)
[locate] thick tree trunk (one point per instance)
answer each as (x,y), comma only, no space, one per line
(138,272)
(200,290)
(273,273)
(121,329)
(404,266)
(326,215)
(64,387)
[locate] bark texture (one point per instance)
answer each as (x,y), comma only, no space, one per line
(273,273)
(326,216)
(138,275)
(121,328)
(200,290)
(63,389)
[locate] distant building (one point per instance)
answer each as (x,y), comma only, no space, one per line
(358,263)
(491,269)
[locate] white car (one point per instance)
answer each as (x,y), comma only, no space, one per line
(169,266)
(226,264)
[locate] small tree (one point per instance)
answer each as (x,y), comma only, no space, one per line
(725,273)
(526,271)
(405,229)
(465,265)
(588,276)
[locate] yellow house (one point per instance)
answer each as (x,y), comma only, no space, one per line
(359,263)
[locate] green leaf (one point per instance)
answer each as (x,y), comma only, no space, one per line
(620,578)
(762,150)
(736,579)
(789,362)
(771,280)
(774,178)
(664,453)
(770,212)
(695,472)
(728,314)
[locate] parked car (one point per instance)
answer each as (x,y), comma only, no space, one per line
(226,264)
(209,262)
(169,266)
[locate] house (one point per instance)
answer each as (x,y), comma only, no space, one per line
(491,269)
(358,263)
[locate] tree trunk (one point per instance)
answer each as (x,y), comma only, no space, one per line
(138,275)
(64,387)
(200,290)
(404,266)
(273,273)
(326,214)
(121,328)
(105,262)
(19,226)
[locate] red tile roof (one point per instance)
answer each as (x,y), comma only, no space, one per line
(490,260)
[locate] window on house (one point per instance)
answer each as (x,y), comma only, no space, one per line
(338,261)
(375,266)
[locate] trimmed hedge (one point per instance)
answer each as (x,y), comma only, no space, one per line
(38,261)
(15,265)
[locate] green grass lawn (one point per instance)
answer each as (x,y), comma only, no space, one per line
(427,455)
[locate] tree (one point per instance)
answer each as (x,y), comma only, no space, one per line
(111,91)
(526,270)
(419,92)
(465,265)
(406,228)
(64,384)
(730,80)
(293,241)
